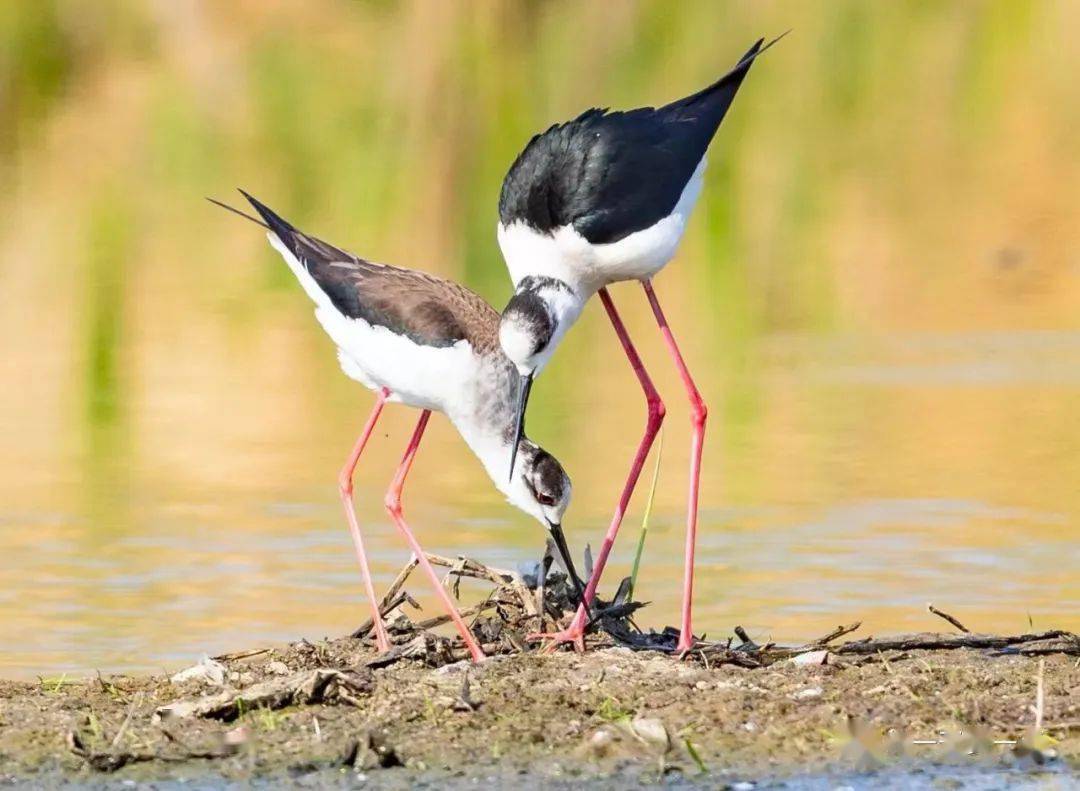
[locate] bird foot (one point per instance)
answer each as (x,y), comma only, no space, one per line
(571,635)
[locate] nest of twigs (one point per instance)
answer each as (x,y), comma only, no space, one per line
(543,600)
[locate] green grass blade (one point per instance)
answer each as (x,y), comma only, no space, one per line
(648,512)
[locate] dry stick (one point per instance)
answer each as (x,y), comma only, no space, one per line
(466,567)
(541,577)
(481,607)
(239,654)
(439,620)
(395,586)
(947,617)
(470,568)
(836,633)
(384,609)
(138,699)
(929,641)
(1039,697)
(527,601)
(391,599)
(455,572)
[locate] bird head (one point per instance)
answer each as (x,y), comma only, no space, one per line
(539,485)
(532,324)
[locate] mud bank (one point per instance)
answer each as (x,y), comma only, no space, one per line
(323,715)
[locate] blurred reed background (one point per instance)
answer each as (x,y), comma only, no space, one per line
(879,292)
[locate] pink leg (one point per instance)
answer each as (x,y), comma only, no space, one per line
(345,487)
(393,507)
(575,632)
(698,414)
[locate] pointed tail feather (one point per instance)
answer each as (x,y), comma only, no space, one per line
(236,211)
(283,228)
(711,104)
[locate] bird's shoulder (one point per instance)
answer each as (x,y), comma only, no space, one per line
(429,309)
(606,173)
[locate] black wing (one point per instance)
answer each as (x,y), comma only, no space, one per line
(429,310)
(610,174)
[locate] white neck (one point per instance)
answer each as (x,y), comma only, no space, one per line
(494,453)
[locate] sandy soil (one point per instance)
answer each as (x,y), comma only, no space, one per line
(320,714)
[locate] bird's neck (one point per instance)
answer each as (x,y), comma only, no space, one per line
(490,444)
(494,453)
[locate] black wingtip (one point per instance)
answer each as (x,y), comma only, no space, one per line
(759,48)
(274,222)
(774,41)
(722,92)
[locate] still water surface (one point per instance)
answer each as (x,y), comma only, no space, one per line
(859,499)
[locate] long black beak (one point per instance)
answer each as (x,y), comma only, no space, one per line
(564,553)
(519,429)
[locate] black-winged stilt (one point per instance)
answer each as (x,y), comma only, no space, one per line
(430,343)
(594,201)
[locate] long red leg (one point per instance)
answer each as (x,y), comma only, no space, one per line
(393,507)
(345,487)
(698,413)
(575,632)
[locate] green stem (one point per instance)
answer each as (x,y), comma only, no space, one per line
(645,518)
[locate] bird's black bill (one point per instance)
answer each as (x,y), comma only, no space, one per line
(564,554)
(519,429)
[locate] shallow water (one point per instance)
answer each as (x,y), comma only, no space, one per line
(863,510)
(883,314)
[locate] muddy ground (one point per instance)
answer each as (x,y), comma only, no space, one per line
(321,714)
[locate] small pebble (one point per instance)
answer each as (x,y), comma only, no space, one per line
(237,735)
(278,667)
(808,694)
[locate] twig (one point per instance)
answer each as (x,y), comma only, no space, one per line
(439,620)
(1063,643)
(395,586)
(127,720)
(836,633)
(1039,696)
(541,577)
(230,657)
(527,601)
(947,617)
(481,607)
(471,568)
(747,643)
(384,609)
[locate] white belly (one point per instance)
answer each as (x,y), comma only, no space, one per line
(426,377)
(567,255)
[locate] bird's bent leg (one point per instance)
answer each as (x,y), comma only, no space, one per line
(345,488)
(393,507)
(698,415)
(575,632)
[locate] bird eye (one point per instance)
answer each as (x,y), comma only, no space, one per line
(545,499)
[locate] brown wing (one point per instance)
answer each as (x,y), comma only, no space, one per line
(430,310)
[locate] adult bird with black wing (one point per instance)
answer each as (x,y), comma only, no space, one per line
(597,200)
